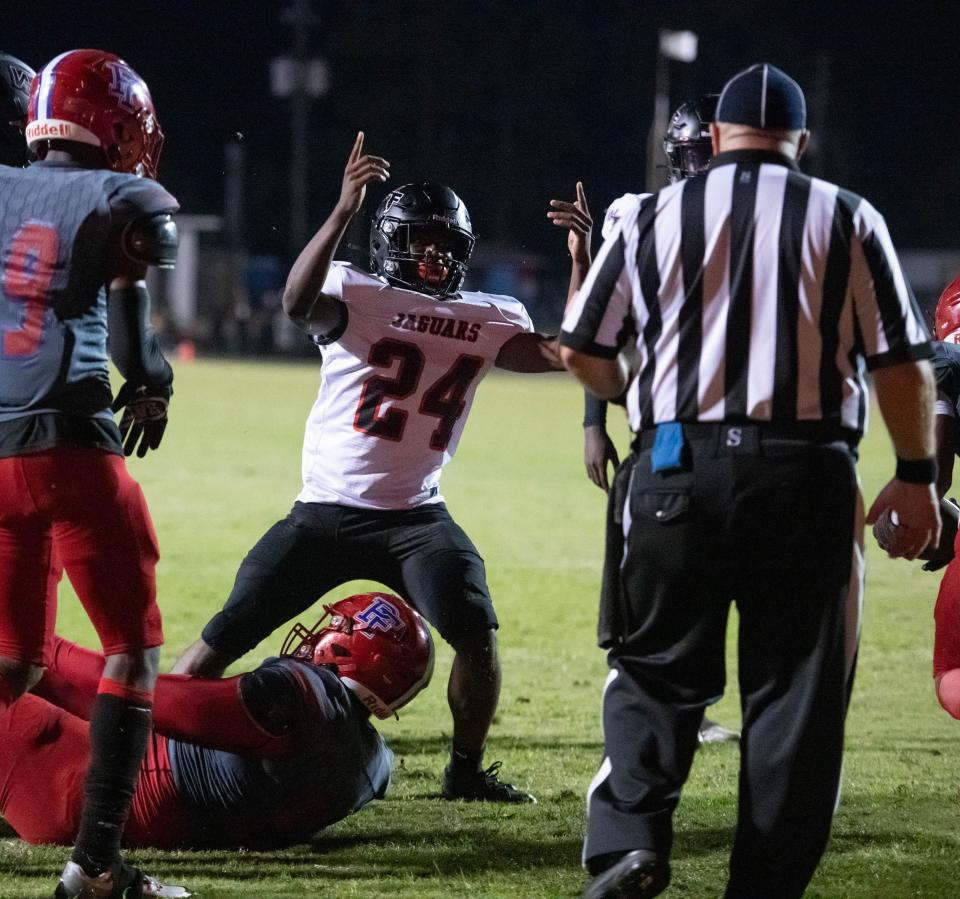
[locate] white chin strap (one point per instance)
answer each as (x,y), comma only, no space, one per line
(370,700)
(58,129)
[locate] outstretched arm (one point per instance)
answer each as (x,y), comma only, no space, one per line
(303,297)
(530,353)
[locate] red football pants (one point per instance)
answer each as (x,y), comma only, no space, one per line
(946,615)
(80,510)
(44,754)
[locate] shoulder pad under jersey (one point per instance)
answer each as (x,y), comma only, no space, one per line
(130,198)
(151,240)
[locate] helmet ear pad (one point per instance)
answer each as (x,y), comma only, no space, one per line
(398,227)
(377,644)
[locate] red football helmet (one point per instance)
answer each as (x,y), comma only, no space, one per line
(380,647)
(947,317)
(95,98)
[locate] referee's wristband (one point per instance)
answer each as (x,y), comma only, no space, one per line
(917,471)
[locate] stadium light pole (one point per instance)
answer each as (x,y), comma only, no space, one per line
(302,80)
(680,46)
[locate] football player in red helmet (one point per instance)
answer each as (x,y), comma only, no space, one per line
(889,534)
(94,98)
(78,230)
(293,736)
(379,646)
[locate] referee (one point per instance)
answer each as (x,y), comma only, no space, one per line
(757,297)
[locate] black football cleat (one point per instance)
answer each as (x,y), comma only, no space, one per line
(481,786)
(119,881)
(640,874)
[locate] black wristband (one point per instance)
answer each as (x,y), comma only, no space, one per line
(594,410)
(917,471)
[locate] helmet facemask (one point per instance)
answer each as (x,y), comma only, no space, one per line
(687,158)
(421,239)
(431,258)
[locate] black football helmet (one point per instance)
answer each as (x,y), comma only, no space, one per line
(15,80)
(687,141)
(412,218)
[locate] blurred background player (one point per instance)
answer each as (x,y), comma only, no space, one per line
(15,80)
(946,368)
(688,150)
(261,760)
(77,232)
(403,352)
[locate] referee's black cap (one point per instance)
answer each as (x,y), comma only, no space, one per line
(763,96)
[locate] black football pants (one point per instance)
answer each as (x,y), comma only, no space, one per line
(421,553)
(768,524)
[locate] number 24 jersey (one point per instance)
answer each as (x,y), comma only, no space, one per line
(396,387)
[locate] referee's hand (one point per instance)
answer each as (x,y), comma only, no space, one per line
(918,513)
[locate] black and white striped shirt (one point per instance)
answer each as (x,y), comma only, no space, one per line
(754,293)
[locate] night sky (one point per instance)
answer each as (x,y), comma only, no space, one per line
(511,101)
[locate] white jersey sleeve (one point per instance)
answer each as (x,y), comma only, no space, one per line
(396,388)
(943,405)
(618,209)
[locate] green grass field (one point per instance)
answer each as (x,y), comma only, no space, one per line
(229,467)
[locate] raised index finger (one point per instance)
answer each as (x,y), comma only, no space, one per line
(357,148)
(582,197)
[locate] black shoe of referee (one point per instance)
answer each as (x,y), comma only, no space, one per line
(640,874)
(481,786)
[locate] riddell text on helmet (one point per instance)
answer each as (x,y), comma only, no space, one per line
(59,129)
(47,129)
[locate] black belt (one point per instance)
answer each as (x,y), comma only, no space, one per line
(734,433)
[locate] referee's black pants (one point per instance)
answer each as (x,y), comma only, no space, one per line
(767,523)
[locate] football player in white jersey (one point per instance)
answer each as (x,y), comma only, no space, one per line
(688,151)
(404,349)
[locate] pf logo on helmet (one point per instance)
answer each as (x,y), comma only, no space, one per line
(380,616)
(123,85)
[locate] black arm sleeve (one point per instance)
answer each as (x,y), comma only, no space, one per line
(133,345)
(594,410)
(272,699)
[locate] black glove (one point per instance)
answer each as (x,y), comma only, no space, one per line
(942,554)
(144,417)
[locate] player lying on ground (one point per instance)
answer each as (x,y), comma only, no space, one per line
(260,760)
(404,349)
